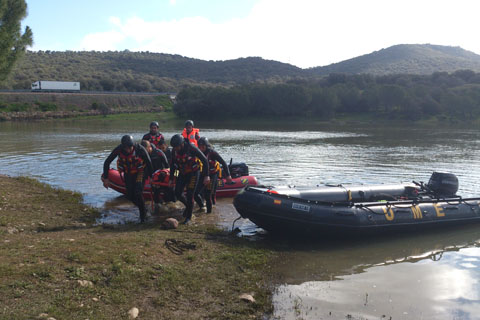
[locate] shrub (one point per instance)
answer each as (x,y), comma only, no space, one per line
(45,106)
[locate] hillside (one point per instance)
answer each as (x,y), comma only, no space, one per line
(406,59)
(141,71)
(157,72)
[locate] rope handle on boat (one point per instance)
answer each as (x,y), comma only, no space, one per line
(458,199)
(418,201)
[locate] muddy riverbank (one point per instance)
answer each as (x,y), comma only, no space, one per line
(57,263)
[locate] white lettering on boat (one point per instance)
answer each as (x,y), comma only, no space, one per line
(301,207)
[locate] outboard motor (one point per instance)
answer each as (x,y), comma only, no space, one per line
(238,169)
(443,184)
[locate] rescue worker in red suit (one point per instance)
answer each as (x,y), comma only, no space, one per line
(191,133)
(132,161)
(191,164)
(159,162)
(214,163)
(154,136)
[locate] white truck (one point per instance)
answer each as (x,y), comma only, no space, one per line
(55,86)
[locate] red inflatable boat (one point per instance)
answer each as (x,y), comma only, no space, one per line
(224,189)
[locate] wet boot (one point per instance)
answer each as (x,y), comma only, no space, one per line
(187,213)
(199,200)
(186,218)
(143,216)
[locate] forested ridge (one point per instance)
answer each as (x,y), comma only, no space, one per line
(142,71)
(157,72)
(413,97)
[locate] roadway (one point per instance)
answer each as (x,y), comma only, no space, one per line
(24,91)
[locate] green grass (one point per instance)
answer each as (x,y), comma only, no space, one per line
(46,106)
(143,116)
(14,107)
(165,102)
(128,266)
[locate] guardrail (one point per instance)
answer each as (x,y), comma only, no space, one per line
(92,92)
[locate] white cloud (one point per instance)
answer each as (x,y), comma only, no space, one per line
(102,41)
(115,21)
(173,2)
(305,33)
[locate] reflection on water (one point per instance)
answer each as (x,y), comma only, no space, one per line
(446,289)
(379,278)
(427,276)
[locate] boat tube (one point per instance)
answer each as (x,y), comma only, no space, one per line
(161,177)
(358,210)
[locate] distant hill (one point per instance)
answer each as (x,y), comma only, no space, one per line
(142,71)
(406,58)
(154,72)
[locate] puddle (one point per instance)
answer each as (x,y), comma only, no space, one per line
(122,211)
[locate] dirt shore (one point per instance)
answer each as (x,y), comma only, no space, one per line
(57,263)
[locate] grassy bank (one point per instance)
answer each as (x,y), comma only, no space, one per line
(162,117)
(34,106)
(341,121)
(57,263)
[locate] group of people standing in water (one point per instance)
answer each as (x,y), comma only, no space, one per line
(194,169)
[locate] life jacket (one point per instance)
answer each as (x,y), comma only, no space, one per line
(187,163)
(155,139)
(130,163)
(213,165)
(191,136)
(161,178)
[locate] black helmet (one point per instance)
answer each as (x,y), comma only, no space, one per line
(176,140)
(189,123)
(154,123)
(127,141)
(203,141)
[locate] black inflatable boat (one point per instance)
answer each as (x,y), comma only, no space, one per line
(358,210)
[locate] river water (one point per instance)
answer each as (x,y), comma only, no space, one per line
(420,276)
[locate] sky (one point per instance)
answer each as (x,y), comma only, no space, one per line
(304,33)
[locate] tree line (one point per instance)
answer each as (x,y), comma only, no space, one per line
(455,95)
